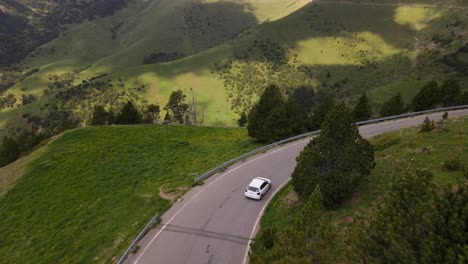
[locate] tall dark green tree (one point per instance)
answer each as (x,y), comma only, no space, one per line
(305,97)
(285,120)
(177,108)
(336,160)
(363,110)
(100,116)
(129,115)
(316,119)
(297,117)
(451,93)
(393,106)
(258,115)
(427,98)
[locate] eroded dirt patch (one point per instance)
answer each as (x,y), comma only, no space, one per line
(172,194)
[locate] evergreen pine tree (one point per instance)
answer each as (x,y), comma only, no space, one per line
(362,110)
(297,117)
(258,115)
(427,98)
(393,106)
(335,160)
(316,119)
(100,116)
(451,93)
(129,115)
(428,125)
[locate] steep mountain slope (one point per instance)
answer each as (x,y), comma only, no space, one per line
(27,24)
(226,51)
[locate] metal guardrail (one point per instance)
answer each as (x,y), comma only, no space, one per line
(267,147)
(138,238)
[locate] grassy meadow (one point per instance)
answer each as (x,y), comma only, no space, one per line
(88,193)
(396,153)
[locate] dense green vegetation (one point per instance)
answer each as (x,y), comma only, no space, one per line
(399,155)
(94,189)
(336,160)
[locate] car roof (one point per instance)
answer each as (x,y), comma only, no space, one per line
(256,182)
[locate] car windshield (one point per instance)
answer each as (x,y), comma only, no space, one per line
(253,189)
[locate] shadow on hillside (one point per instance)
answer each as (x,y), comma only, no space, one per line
(314,21)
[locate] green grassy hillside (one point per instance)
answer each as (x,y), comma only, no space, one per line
(232,49)
(87,195)
(396,153)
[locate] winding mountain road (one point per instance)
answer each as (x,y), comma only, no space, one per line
(214,222)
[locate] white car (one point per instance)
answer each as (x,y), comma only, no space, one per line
(257,188)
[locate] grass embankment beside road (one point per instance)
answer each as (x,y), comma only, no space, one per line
(396,153)
(92,190)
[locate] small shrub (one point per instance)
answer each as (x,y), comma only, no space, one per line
(428,125)
(445,115)
(453,164)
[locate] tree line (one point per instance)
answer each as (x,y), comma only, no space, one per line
(178,111)
(275,117)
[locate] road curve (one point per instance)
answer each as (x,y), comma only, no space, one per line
(214,222)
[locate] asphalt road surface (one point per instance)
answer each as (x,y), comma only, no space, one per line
(214,222)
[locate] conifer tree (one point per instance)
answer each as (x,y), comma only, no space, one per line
(427,98)
(451,93)
(258,115)
(336,160)
(100,116)
(362,110)
(393,106)
(316,119)
(128,115)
